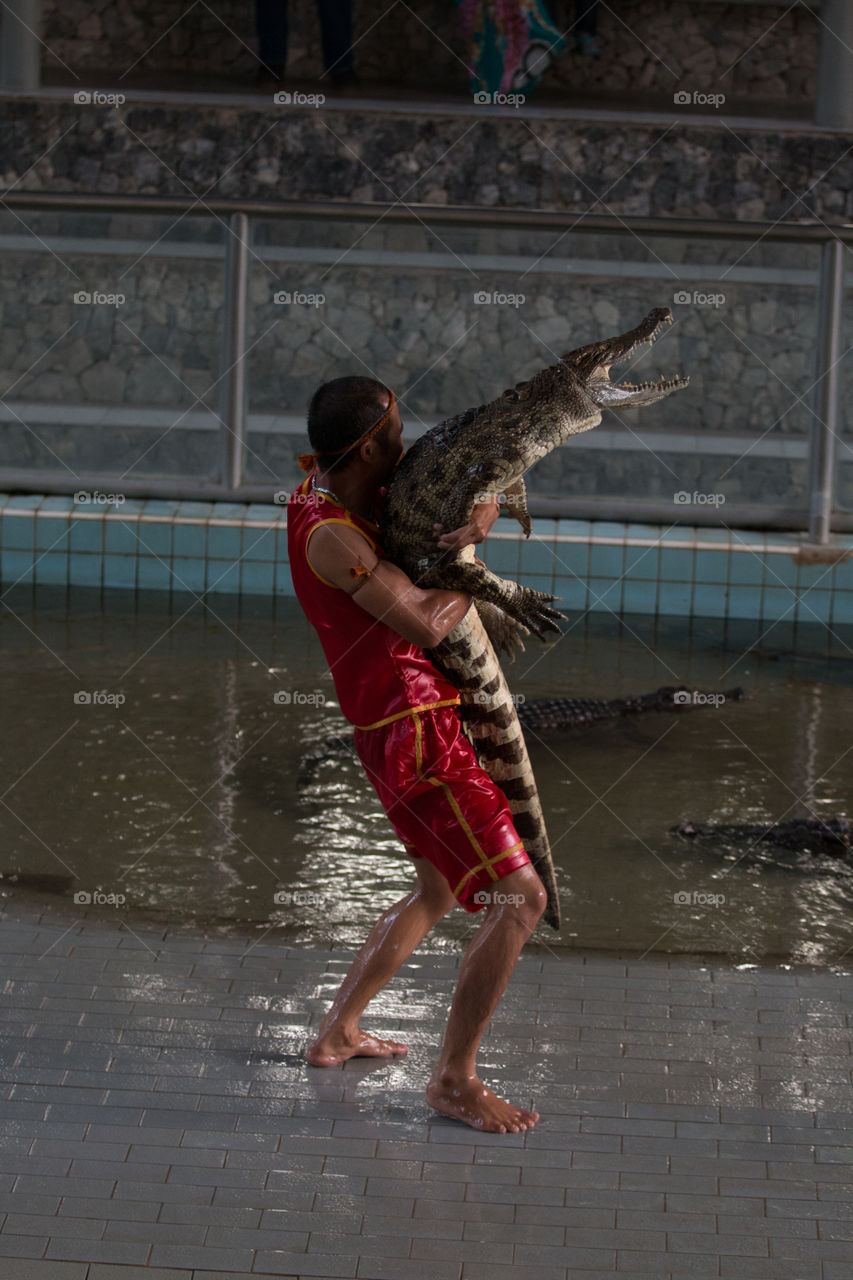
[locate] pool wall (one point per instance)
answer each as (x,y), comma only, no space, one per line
(591,565)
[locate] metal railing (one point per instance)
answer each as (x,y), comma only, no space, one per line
(820,519)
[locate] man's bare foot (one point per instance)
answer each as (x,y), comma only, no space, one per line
(466,1098)
(334,1046)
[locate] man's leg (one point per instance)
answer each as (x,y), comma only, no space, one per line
(271,26)
(586,17)
(391,941)
(336,31)
(455,1088)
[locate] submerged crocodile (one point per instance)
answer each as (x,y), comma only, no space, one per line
(441,478)
(811,846)
(552,715)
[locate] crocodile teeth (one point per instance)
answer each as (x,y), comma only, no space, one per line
(662,383)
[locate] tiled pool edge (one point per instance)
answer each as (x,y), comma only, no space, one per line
(600,565)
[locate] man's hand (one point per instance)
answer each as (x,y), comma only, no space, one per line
(483,517)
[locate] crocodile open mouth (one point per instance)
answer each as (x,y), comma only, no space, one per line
(617,351)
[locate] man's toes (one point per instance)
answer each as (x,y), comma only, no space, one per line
(392,1046)
(374,1047)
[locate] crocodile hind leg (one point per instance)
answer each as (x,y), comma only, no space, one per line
(503,631)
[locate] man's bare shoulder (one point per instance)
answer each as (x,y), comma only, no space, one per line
(335,550)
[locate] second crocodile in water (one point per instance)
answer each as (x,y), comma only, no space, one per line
(441,478)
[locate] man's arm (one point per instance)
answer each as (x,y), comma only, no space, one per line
(341,555)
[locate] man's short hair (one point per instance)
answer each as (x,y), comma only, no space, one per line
(340,412)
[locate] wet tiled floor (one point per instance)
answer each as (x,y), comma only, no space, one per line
(158,1120)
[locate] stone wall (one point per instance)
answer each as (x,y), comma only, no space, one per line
(329,153)
(648,46)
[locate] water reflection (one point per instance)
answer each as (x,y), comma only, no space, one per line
(185,797)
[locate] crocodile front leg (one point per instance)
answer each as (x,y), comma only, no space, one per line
(515,504)
(527,606)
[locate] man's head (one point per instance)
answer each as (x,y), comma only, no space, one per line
(344,411)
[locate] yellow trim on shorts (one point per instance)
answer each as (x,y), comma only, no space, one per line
(488,864)
(411,711)
(419,746)
(485,863)
(333,520)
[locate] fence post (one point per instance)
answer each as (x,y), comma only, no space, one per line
(826,421)
(234,350)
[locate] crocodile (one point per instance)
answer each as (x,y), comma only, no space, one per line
(551,715)
(810,846)
(485,451)
(558,715)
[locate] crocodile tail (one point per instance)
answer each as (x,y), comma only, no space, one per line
(467,659)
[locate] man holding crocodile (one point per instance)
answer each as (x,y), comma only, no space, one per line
(468,828)
(374,624)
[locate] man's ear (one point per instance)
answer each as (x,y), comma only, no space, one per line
(367,451)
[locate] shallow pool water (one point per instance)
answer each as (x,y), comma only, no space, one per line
(147,759)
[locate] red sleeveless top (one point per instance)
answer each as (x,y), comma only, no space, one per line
(378,675)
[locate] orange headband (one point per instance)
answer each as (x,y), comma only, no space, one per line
(308,461)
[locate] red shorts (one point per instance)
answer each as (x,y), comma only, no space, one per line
(442,804)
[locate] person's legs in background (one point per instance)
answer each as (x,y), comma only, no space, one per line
(336,28)
(336,33)
(271,27)
(586,27)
